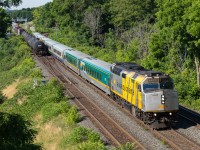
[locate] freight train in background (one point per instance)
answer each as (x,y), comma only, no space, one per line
(149,95)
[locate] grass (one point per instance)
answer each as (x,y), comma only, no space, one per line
(37,117)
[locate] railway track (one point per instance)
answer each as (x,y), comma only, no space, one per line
(190,116)
(170,137)
(177,141)
(117,134)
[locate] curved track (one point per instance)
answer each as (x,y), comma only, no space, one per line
(189,115)
(171,137)
(166,135)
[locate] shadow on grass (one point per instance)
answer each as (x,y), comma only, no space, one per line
(16,133)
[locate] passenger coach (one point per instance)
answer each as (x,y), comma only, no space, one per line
(97,72)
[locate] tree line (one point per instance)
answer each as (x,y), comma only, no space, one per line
(4,17)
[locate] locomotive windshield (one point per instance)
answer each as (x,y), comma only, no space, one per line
(157,83)
(166,83)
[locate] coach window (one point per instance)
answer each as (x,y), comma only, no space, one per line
(100,76)
(97,75)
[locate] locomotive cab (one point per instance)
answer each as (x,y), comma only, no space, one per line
(160,100)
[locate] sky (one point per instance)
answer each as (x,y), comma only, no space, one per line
(31,3)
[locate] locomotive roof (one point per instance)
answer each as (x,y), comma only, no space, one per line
(97,62)
(130,66)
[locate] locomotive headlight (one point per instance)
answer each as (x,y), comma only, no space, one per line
(170,113)
(155,114)
(162,99)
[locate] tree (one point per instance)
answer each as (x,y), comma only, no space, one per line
(4,22)
(126,12)
(192,21)
(4,19)
(9,3)
(177,39)
(94,22)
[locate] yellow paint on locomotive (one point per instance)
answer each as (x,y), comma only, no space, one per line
(130,90)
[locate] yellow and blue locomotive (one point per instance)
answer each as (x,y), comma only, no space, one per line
(148,94)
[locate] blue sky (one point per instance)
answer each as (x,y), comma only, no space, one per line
(31,3)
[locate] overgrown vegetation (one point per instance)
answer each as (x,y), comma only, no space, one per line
(25,13)
(36,109)
(160,35)
(17,124)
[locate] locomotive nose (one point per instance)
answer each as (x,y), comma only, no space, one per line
(163,100)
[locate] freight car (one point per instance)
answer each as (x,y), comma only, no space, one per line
(149,95)
(37,46)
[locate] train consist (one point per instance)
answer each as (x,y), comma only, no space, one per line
(149,95)
(37,46)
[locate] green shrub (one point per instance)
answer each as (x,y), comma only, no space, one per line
(81,134)
(78,135)
(84,139)
(92,136)
(127,146)
(2,97)
(51,110)
(36,73)
(92,146)
(72,116)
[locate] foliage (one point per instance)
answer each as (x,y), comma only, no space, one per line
(51,110)
(4,22)
(32,98)
(15,61)
(2,97)
(72,116)
(125,13)
(23,13)
(16,133)
(91,145)
(84,138)
(44,21)
(4,18)
(9,3)
(127,146)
